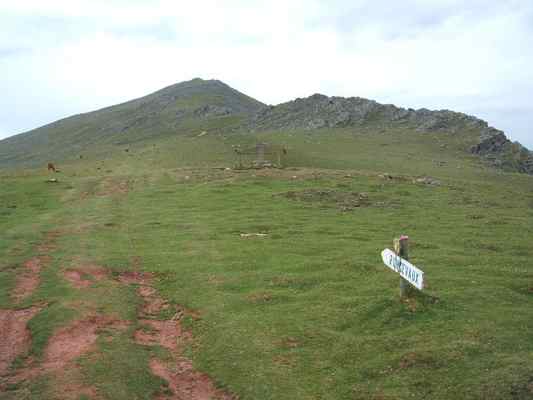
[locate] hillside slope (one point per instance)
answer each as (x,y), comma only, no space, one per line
(211,106)
(193,105)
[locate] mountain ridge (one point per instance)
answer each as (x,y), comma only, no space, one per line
(319,111)
(212,105)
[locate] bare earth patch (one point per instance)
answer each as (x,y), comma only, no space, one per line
(184,382)
(85,276)
(28,279)
(76,339)
(15,337)
(163,333)
(66,345)
(140,278)
(69,343)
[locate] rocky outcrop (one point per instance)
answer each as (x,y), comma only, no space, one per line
(210,110)
(320,112)
(496,148)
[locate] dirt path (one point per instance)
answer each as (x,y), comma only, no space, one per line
(79,337)
(14,334)
(15,337)
(184,382)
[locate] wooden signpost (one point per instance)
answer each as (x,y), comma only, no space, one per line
(397,260)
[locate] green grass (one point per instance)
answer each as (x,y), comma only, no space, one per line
(309,311)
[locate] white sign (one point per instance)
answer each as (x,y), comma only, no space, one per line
(407,270)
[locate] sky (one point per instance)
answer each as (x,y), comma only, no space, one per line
(63,57)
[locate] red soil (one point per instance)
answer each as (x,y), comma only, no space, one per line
(69,343)
(15,337)
(140,278)
(28,280)
(185,382)
(77,277)
(164,333)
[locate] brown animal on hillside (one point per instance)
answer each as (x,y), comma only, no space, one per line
(51,167)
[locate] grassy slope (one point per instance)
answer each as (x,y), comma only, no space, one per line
(166,112)
(310,311)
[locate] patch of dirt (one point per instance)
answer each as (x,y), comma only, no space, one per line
(15,337)
(186,383)
(167,333)
(29,279)
(85,276)
(345,201)
(67,344)
(153,304)
(135,277)
(72,341)
(75,279)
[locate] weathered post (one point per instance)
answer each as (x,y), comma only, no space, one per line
(398,260)
(401,247)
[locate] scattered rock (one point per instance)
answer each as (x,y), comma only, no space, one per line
(249,235)
(427,180)
(210,110)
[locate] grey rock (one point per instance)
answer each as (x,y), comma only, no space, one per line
(210,110)
(319,111)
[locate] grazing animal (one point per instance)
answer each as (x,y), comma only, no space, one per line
(51,167)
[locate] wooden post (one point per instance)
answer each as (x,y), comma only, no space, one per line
(401,247)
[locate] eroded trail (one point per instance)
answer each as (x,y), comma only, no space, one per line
(184,382)
(28,280)
(158,326)
(14,333)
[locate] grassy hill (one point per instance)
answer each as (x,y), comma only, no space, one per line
(193,106)
(307,311)
(164,272)
(200,107)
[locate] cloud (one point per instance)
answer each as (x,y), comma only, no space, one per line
(77,55)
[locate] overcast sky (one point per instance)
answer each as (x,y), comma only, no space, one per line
(61,57)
